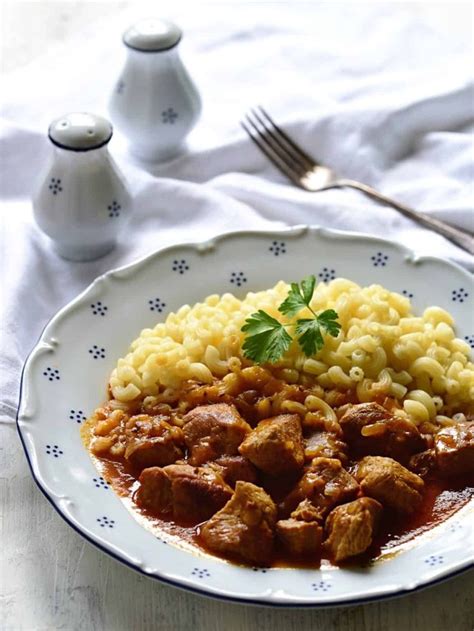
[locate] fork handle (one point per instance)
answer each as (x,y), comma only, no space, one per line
(464,240)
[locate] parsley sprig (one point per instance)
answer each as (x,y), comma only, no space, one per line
(267,338)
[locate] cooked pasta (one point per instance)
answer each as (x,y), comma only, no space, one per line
(382,349)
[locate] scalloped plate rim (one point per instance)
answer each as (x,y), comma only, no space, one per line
(201,247)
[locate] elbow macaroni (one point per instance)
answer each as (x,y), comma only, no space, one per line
(382,349)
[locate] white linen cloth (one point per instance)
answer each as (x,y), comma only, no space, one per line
(374,92)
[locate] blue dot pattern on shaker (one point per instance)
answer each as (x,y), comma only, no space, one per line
(105,522)
(55,185)
(379,259)
(97,352)
(114,209)
(470,340)
(407,293)
(169,116)
(238,278)
(99,309)
(277,248)
(180,266)
(200,573)
(459,295)
(434,559)
(100,483)
(53,450)
(156,304)
(321,586)
(77,415)
(52,374)
(327,274)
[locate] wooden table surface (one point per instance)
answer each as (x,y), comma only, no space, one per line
(50,578)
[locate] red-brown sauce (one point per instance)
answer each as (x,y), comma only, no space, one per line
(442,498)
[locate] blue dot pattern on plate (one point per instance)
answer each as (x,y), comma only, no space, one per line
(470,340)
(55,185)
(77,415)
(169,116)
(99,309)
(277,248)
(434,559)
(180,266)
(156,304)
(459,295)
(455,526)
(200,573)
(327,274)
(262,570)
(321,586)
(238,278)
(407,293)
(97,352)
(120,86)
(105,522)
(52,374)
(53,450)
(379,259)
(100,483)
(114,209)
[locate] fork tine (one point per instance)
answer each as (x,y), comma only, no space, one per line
(310,162)
(281,139)
(271,155)
(277,148)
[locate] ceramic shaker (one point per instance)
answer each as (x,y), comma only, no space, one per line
(82,203)
(155,103)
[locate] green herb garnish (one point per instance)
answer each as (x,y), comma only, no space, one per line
(267,338)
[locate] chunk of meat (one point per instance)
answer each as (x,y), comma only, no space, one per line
(423,463)
(191,494)
(389,482)
(454,449)
(276,445)
(152,441)
(301,533)
(244,528)
(371,429)
(305,511)
(213,430)
(325,445)
(299,537)
(245,403)
(325,483)
(154,492)
(234,468)
(198,492)
(351,527)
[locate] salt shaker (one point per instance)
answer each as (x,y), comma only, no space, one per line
(82,203)
(155,103)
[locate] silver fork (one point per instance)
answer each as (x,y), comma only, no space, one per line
(308,174)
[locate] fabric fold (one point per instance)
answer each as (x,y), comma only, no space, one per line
(382,97)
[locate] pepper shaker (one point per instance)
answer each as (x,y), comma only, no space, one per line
(155,103)
(83,203)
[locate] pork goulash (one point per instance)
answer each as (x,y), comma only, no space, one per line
(232,428)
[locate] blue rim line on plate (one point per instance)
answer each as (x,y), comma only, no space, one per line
(203,247)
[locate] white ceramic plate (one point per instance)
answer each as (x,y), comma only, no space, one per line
(65,378)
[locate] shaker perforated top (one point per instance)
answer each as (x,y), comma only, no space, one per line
(80,131)
(152,35)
